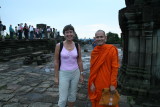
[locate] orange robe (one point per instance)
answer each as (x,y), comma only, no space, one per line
(103,71)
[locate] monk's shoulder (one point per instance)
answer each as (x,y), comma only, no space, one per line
(110,46)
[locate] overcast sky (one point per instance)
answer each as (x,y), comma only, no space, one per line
(87,16)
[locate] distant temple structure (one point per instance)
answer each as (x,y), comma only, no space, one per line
(139,75)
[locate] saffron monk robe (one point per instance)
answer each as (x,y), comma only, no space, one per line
(103,70)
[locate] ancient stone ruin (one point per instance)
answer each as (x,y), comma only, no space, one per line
(16,48)
(140,72)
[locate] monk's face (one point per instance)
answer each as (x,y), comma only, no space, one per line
(100,38)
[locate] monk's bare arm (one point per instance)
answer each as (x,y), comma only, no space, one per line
(56,62)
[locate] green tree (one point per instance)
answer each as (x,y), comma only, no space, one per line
(112,38)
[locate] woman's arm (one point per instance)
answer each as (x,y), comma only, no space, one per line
(80,59)
(80,64)
(56,64)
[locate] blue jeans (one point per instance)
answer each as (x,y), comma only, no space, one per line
(68,83)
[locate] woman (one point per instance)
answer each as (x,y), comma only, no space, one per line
(68,68)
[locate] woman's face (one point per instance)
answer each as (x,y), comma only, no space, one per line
(69,34)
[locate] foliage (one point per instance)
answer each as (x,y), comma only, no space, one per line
(14,37)
(112,38)
(130,100)
(7,37)
(0,36)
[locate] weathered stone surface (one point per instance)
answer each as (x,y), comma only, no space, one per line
(55,89)
(11,49)
(53,94)
(14,100)
(39,90)
(6,97)
(55,105)
(81,96)
(124,105)
(31,97)
(140,26)
(32,86)
(50,89)
(13,105)
(2,85)
(6,91)
(13,86)
(123,99)
(80,103)
(44,85)
(24,89)
(0,104)
(40,104)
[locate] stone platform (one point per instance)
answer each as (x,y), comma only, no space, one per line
(33,85)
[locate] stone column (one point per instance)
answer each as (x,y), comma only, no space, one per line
(140,72)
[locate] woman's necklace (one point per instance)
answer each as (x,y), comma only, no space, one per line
(69,46)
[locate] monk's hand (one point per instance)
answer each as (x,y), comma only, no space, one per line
(81,78)
(93,87)
(112,89)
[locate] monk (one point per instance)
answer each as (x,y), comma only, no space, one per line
(103,70)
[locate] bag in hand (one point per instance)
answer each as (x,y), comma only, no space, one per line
(109,99)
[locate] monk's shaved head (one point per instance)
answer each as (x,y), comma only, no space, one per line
(100,31)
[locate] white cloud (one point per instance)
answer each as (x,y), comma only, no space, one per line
(88,31)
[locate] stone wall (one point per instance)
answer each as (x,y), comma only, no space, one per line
(140,72)
(15,48)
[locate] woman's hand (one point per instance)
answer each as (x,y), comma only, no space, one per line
(81,78)
(56,80)
(93,87)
